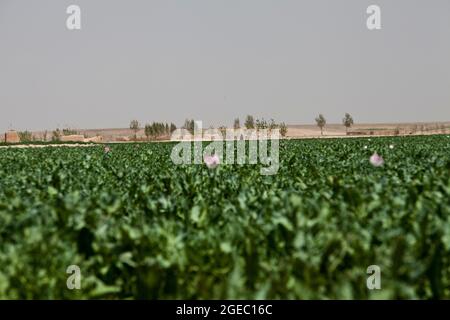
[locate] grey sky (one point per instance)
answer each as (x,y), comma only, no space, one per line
(214,60)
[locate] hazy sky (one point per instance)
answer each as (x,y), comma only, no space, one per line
(214,60)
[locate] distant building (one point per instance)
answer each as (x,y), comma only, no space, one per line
(12,137)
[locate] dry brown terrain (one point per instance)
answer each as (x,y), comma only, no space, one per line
(311,131)
(294,131)
(368,129)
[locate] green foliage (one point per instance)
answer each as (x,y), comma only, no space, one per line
(25,136)
(283,129)
(223,131)
(148,131)
(236,124)
(140,227)
(249,122)
(347,121)
(321,122)
(69,132)
(261,124)
(135,126)
(158,129)
(189,125)
(56,135)
(271,125)
(173,127)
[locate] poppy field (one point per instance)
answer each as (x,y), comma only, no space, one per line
(140,227)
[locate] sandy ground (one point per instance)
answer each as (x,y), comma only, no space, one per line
(312,131)
(370,129)
(294,131)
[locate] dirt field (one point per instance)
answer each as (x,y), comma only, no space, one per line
(371,129)
(294,131)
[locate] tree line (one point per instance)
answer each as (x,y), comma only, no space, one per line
(153,130)
(347,121)
(158,129)
(249,123)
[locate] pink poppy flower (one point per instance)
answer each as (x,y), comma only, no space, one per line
(212,161)
(107,149)
(376,160)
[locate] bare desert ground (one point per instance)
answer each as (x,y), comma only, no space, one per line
(294,131)
(308,131)
(369,129)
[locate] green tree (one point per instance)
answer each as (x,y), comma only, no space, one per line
(272,125)
(167,129)
(134,125)
(69,132)
(249,122)
(283,129)
(25,136)
(223,131)
(237,124)
(347,121)
(173,127)
(321,122)
(56,135)
(148,131)
(261,124)
(189,125)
